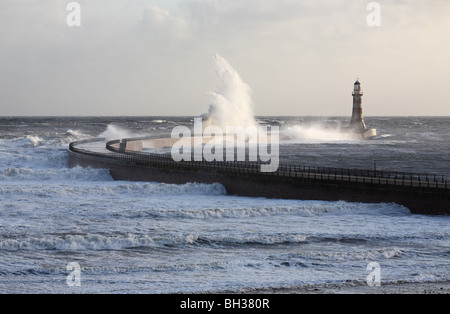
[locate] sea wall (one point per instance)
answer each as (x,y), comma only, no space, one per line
(243,180)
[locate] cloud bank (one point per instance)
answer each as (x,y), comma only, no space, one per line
(156,57)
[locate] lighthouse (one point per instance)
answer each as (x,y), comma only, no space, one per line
(357,123)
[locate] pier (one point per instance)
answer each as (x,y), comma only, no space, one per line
(420,193)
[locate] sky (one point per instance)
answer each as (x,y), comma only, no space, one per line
(155,57)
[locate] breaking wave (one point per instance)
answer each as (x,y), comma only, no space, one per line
(99,242)
(78,173)
(96,242)
(103,189)
(255,208)
(23,142)
(163,188)
(361,254)
(35,158)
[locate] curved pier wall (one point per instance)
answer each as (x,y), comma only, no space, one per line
(419,200)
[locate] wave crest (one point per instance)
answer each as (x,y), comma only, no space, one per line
(78,173)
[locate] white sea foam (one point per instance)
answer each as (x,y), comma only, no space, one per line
(114,132)
(100,184)
(34,140)
(142,189)
(64,174)
(94,242)
(314,134)
(162,188)
(354,255)
(117,242)
(76,135)
(23,142)
(267,208)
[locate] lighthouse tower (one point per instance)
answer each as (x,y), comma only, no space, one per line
(357,122)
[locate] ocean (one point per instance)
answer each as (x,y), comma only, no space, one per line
(147,237)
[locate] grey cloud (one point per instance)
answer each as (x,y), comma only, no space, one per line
(156,57)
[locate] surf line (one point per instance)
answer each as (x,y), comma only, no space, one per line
(214,143)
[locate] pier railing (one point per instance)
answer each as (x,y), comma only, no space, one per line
(408,179)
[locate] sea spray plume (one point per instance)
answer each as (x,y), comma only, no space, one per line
(315,133)
(114,132)
(231,103)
